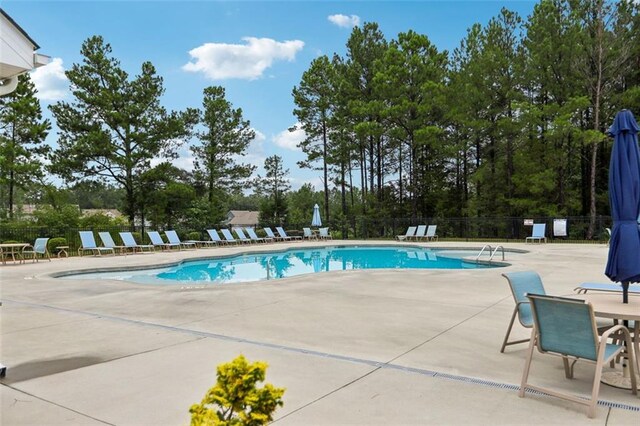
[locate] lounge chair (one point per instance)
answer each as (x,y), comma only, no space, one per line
(285,236)
(130,242)
(431,233)
(254,237)
(89,244)
(241,236)
(411,231)
(324,234)
(215,237)
(520,284)
(567,328)
(270,234)
(611,287)
(308,234)
(107,241)
(537,234)
(228,237)
(39,247)
(157,241)
(173,238)
(420,232)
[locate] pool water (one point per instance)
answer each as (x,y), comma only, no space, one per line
(268,266)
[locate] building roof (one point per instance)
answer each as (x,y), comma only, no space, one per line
(242,217)
(19,28)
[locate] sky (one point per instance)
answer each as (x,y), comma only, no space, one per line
(256,50)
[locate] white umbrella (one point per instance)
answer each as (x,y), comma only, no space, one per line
(316,221)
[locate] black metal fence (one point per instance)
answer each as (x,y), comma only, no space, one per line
(453,229)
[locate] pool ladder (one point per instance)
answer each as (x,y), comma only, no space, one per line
(491,252)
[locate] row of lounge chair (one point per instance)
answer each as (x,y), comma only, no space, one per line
(419,233)
(174,242)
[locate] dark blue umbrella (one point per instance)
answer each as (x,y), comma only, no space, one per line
(623,264)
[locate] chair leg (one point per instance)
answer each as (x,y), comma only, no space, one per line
(527,364)
(506,337)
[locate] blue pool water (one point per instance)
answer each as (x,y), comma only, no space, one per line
(269,266)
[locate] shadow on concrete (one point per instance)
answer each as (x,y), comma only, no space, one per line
(36,369)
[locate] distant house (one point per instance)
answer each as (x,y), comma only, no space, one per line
(241,218)
(111,213)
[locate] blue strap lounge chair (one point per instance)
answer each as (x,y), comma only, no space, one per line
(173,238)
(130,242)
(241,237)
(324,234)
(284,235)
(157,241)
(107,241)
(89,244)
(308,234)
(228,237)
(270,234)
(411,232)
(254,236)
(39,248)
(567,328)
(520,284)
(421,232)
(537,234)
(431,233)
(614,287)
(215,237)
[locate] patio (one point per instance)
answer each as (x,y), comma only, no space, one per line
(352,347)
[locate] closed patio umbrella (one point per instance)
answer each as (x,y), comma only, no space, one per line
(623,263)
(316,221)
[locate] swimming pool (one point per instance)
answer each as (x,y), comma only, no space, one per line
(250,267)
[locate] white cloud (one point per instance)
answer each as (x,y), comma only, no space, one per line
(344,21)
(290,140)
(243,61)
(50,81)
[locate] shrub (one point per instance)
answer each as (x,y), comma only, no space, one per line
(195,236)
(235,400)
(53,243)
(138,237)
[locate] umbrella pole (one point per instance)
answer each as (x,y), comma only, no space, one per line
(625,292)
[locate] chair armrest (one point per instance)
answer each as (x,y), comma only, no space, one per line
(615,329)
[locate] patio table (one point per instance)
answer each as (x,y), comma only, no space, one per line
(12,249)
(608,305)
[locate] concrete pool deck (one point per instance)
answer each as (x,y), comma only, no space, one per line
(392,347)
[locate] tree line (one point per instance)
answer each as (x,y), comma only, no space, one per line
(511,123)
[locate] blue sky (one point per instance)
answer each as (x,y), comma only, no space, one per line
(257,50)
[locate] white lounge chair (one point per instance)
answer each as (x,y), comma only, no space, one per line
(411,231)
(241,236)
(254,236)
(270,234)
(39,247)
(130,242)
(285,236)
(537,234)
(228,237)
(215,237)
(89,244)
(308,234)
(324,234)
(420,232)
(431,233)
(107,241)
(173,238)
(157,241)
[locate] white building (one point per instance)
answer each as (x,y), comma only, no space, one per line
(17,53)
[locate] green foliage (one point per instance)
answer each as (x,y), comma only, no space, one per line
(59,219)
(100,220)
(236,399)
(22,147)
(274,187)
(53,243)
(194,235)
(114,125)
